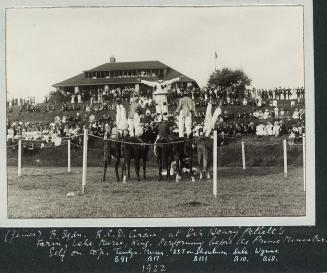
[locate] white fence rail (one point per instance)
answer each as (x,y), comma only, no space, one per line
(215,160)
(285,162)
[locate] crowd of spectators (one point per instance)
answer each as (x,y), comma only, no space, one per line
(100,99)
(231,125)
(264,118)
(26,104)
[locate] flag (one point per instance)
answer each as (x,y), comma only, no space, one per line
(216,56)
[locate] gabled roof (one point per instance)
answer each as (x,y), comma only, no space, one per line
(80,79)
(129,66)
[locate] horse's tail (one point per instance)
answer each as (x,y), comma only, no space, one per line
(155,148)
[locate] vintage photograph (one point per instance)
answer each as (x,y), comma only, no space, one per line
(157,112)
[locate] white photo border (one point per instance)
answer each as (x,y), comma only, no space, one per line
(307,220)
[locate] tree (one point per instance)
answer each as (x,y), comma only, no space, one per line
(229,81)
(57,96)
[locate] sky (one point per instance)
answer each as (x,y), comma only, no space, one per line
(47,45)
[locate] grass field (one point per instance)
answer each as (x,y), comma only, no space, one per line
(262,191)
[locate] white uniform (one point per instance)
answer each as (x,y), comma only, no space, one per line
(121,120)
(134,121)
(160,94)
(185,109)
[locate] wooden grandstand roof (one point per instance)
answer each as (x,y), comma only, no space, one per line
(80,79)
(116,66)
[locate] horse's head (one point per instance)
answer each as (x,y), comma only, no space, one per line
(125,134)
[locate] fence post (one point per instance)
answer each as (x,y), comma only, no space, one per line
(19,157)
(68,147)
(215,163)
(243,155)
(285,156)
(84,161)
(304,180)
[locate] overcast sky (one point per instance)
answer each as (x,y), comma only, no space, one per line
(46,46)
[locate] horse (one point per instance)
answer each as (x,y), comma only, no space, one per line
(112,148)
(182,150)
(164,153)
(203,148)
(136,148)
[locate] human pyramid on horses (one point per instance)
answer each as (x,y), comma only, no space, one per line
(174,141)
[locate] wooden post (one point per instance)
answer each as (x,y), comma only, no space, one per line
(243,155)
(285,157)
(84,161)
(19,158)
(68,148)
(215,162)
(304,180)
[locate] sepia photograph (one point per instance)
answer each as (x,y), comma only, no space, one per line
(171,112)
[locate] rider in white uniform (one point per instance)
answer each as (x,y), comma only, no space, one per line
(160,93)
(121,120)
(185,110)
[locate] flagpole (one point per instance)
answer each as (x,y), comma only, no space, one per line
(216,61)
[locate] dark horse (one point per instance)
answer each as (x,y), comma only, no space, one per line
(112,148)
(127,148)
(164,153)
(183,149)
(174,149)
(136,148)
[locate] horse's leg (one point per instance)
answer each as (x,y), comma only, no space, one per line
(178,170)
(167,162)
(144,167)
(168,172)
(116,168)
(104,170)
(145,159)
(191,163)
(159,167)
(109,153)
(199,154)
(206,165)
(137,166)
(123,170)
(128,161)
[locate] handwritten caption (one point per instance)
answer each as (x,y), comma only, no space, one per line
(154,246)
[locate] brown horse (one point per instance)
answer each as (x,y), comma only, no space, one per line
(204,148)
(112,148)
(164,154)
(183,151)
(180,150)
(136,148)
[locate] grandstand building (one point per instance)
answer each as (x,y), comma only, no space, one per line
(114,74)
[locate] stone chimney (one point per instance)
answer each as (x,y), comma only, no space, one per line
(112,59)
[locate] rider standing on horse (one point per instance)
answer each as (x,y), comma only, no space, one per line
(135,109)
(121,120)
(185,110)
